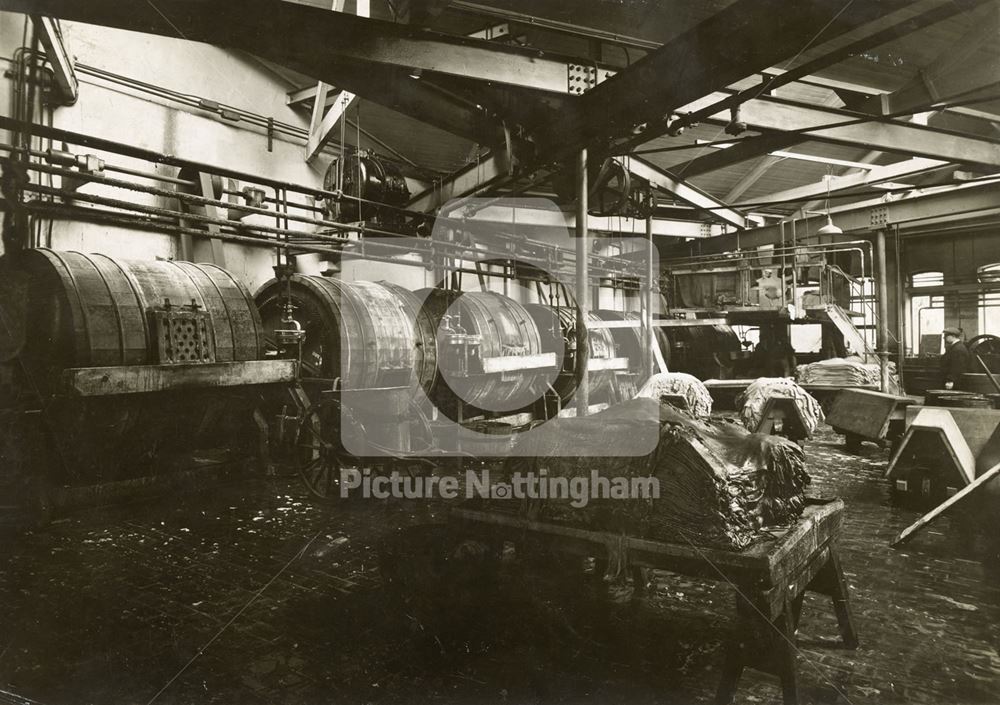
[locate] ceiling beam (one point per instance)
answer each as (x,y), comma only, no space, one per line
(393,88)
(665,181)
(786,123)
(236,24)
(873,33)
(913,210)
(763,164)
(886,135)
(744,37)
(869,158)
(555,25)
(970,65)
(711,159)
(481,174)
(523,217)
(469,180)
(316,36)
(837,184)
(828,78)
(755,174)
(840,28)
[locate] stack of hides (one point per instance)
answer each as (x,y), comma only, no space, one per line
(846,372)
(699,401)
(719,485)
(754,399)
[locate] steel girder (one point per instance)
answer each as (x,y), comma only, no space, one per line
(964,202)
(785,123)
(306,35)
(467,180)
(854,129)
(837,184)
(747,148)
(666,181)
(343,49)
(566,221)
(713,54)
(745,37)
(919,15)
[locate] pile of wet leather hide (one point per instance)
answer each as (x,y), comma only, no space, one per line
(719,485)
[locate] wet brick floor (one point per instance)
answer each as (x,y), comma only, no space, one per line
(250,593)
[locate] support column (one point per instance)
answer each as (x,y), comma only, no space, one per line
(582,288)
(883,310)
(647,320)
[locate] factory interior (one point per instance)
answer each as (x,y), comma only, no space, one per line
(495,351)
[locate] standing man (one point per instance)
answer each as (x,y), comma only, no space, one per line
(955,360)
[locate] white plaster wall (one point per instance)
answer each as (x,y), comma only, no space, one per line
(122,114)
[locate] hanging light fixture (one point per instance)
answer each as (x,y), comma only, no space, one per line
(829,228)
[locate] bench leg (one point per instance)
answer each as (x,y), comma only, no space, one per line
(831,581)
(264,458)
(732,669)
(797,611)
(784,643)
(765,645)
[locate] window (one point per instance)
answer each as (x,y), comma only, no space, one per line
(989,299)
(926,315)
(807,338)
(749,334)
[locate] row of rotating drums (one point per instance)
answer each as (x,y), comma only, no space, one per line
(67,309)
(379,334)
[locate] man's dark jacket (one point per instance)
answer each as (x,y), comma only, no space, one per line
(955,362)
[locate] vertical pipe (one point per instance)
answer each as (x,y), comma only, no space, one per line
(900,312)
(582,288)
(781,271)
(795,273)
(883,310)
(647,322)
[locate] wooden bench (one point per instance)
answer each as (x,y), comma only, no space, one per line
(861,414)
(771,578)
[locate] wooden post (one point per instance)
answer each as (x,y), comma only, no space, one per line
(582,288)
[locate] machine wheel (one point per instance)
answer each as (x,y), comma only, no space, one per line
(320,446)
(984,344)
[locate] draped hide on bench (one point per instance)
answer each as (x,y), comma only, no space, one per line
(719,485)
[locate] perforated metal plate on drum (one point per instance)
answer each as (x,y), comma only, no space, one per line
(182,336)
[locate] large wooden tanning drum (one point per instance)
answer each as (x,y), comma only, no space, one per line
(367,334)
(557,327)
(503,329)
(97,311)
(93,311)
